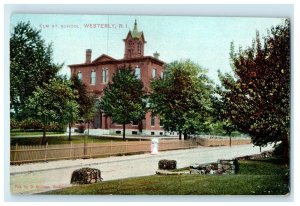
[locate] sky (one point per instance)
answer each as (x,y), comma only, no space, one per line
(204,40)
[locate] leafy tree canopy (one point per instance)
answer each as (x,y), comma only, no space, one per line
(54,101)
(31,65)
(124,98)
(85,100)
(182,98)
(257,97)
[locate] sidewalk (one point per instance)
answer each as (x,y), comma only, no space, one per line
(39,177)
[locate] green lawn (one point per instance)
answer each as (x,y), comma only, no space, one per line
(19,133)
(255,177)
(63,140)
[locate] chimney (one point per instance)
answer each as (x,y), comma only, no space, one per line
(156,55)
(88,56)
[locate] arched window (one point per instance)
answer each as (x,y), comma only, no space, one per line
(79,75)
(137,72)
(93,77)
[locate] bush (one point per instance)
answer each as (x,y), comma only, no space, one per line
(80,128)
(278,150)
(167,164)
(30,124)
(55,127)
(14,124)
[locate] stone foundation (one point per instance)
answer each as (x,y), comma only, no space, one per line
(230,166)
(221,167)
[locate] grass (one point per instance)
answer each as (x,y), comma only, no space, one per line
(63,140)
(19,133)
(255,177)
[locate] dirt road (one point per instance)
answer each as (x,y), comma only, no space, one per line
(39,177)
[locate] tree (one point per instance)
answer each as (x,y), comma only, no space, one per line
(257,98)
(123,98)
(85,100)
(220,113)
(31,65)
(55,101)
(90,111)
(182,98)
(71,113)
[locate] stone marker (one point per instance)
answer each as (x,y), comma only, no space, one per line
(86,176)
(167,164)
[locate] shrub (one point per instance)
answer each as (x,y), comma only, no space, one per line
(167,164)
(80,128)
(55,127)
(30,124)
(278,150)
(14,124)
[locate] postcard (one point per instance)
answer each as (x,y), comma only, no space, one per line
(149,105)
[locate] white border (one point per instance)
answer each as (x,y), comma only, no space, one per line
(203,10)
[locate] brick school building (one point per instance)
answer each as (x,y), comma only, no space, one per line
(97,73)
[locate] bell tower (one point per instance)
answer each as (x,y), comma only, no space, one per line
(134,43)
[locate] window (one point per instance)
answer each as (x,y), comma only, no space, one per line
(139,48)
(137,72)
(161,123)
(153,73)
(104,75)
(93,77)
(79,75)
(152,120)
(162,75)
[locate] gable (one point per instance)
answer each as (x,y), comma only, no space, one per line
(103,58)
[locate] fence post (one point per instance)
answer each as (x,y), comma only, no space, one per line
(110,147)
(46,151)
(15,155)
(91,145)
(140,146)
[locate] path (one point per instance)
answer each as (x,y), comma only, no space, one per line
(39,177)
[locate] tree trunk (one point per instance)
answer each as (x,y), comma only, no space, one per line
(230,140)
(100,119)
(185,137)
(85,146)
(69,131)
(44,135)
(140,126)
(180,133)
(123,131)
(88,133)
(105,126)
(43,140)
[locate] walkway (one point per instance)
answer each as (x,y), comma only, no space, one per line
(39,177)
